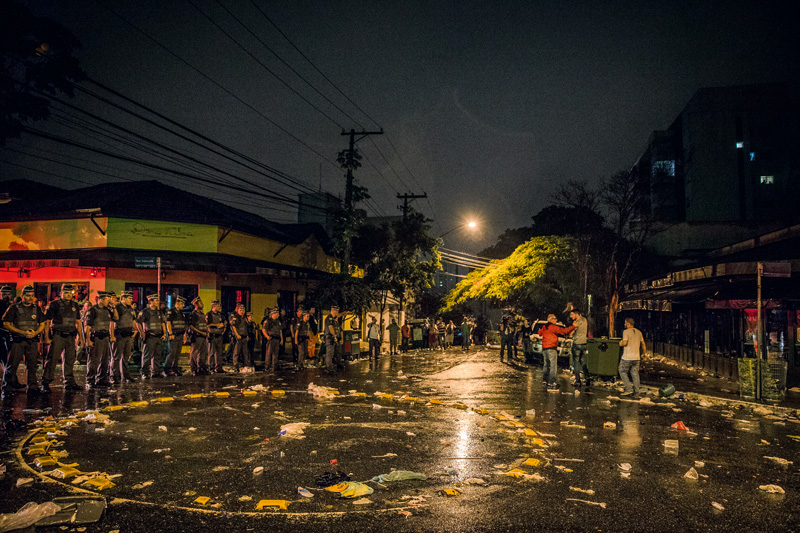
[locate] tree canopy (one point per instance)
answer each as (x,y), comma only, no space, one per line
(537,277)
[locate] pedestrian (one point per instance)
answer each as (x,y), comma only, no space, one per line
(579,351)
(238,324)
(124,333)
(64,322)
(394,330)
(508,338)
(313,337)
(466,331)
(441,333)
(301,334)
(150,324)
(433,334)
(633,342)
(527,345)
(98,337)
(287,330)
(449,334)
(405,331)
(216,329)
(294,323)
(374,335)
(550,333)
(24,322)
(252,332)
(333,339)
(425,331)
(176,331)
(6,293)
(198,337)
(272,329)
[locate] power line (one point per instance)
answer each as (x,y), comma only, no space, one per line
(312,63)
(456,252)
(217,84)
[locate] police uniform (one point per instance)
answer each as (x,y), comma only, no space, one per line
(151,322)
(122,347)
(24,317)
(65,321)
(302,331)
(294,323)
(216,346)
(241,354)
(198,335)
(176,321)
(333,341)
(5,340)
(273,330)
(98,363)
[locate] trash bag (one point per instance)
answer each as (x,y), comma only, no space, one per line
(331,478)
(351,489)
(398,475)
(28,514)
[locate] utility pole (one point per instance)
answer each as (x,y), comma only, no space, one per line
(406,197)
(350,163)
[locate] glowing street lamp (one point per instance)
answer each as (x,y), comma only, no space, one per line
(471,225)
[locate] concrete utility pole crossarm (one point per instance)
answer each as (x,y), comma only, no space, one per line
(406,197)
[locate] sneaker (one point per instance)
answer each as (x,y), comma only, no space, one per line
(45,388)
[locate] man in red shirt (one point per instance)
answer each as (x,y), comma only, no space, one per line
(550,333)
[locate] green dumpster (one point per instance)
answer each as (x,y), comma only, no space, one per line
(604,355)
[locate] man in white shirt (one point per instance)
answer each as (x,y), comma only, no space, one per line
(374,336)
(633,341)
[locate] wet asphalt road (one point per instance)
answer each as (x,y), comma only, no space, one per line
(210,446)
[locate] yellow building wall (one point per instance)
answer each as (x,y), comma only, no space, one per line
(308,254)
(260,302)
(158,235)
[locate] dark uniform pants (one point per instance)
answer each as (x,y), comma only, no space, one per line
(151,356)
(241,354)
(120,355)
(216,349)
(198,354)
(302,352)
(98,363)
(333,354)
(60,344)
(273,349)
(27,349)
(175,349)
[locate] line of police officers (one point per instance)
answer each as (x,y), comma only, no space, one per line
(109,328)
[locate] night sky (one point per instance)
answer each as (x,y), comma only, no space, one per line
(487,106)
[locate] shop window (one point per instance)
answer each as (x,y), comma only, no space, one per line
(767,180)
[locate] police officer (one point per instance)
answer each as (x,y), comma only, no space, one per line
(198,336)
(176,328)
(252,332)
(238,324)
(293,325)
(124,332)
(150,324)
(216,329)
(64,319)
(333,339)
(273,333)
(5,341)
(302,331)
(24,321)
(98,338)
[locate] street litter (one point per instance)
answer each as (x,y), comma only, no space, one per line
(610,425)
(450,492)
(331,478)
(202,500)
(625,467)
(305,493)
(398,475)
(571,425)
(671,446)
(531,461)
(293,430)
(772,489)
(699,464)
(272,505)
(27,515)
(377,406)
(162,428)
(192,429)
(320,392)
(590,492)
(597,504)
(21,482)
(691,474)
(411,434)
(717,506)
(258,470)
(142,485)
(385,455)
(779,461)
(350,489)
(362,501)
(566,460)
(475,481)
(245,498)
(531,413)
(220,468)
(679,426)
(161,450)
(563,468)
(75,510)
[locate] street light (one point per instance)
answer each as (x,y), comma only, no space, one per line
(471,225)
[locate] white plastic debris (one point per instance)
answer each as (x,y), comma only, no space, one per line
(772,489)
(531,413)
(590,492)
(385,455)
(474,481)
(625,467)
(320,392)
(779,461)
(21,482)
(717,506)
(691,474)
(293,430)
(699,464)
(258,470)
(596,504)
(610,425)
(377,406)
(362,501)
(27,515)
(671,446)
(304,492)
(162,428)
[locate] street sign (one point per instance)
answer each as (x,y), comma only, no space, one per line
(777,270)
(151,262)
